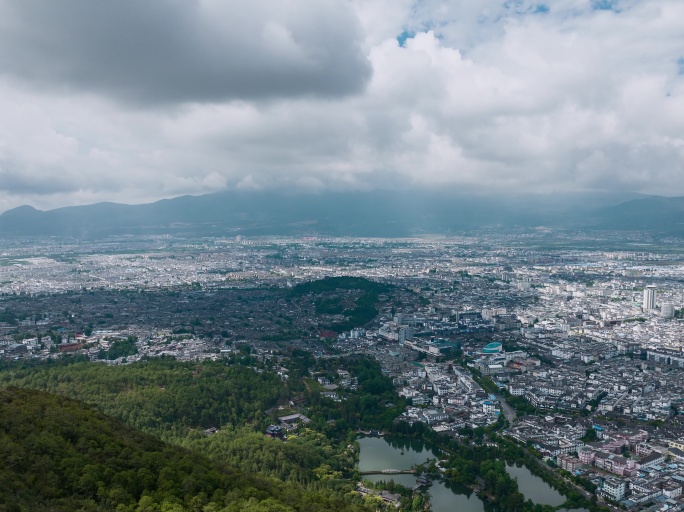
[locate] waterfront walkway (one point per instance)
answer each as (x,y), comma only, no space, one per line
(389,472)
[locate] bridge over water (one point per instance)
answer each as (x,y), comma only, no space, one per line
(389,472)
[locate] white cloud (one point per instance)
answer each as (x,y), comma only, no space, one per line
(484,94)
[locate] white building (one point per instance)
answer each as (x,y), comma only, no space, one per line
(649,298)
(614,488)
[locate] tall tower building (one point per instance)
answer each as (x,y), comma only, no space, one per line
(649,298)
(667,310)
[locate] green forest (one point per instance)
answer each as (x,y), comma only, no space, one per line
(58,454)
(175,401)
(373,406)
(167,401)
(120,348)
(364,310)
(163,397)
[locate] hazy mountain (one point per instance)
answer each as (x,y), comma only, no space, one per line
(661,214)
(384,213)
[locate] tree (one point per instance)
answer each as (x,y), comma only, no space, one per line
(590,436)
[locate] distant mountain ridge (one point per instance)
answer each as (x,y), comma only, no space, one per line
(381,214)
(661,214)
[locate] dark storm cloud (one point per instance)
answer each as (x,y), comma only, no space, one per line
(166,51)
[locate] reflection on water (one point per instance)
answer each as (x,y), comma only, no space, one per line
(405,480)
(445,497)
(392,453)
(379,453)
(535,488)
(398,453)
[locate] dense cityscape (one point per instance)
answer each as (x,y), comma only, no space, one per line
(347,256)
(560,343)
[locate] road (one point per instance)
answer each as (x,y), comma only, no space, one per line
(508,411)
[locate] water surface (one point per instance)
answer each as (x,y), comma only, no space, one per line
(534,488)
(378,453)
(392,453)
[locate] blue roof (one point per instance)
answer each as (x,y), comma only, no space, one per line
(495,344)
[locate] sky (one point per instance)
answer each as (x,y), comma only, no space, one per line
(133,101)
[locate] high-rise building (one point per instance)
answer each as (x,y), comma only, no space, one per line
(649,298)
(667,310)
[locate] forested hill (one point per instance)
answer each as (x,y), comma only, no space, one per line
(160,396)
(364,309)
(58,454)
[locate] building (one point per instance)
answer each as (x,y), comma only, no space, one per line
(676,444)
(649,298)
(69,347)
(587,455)
(506,322)
(433,416)
(389,497)
(614,488)
(665,357)
(633,437)
(516,389)
(493,348)
(489,407)
(672,489)
(16,348)
(653,459)
(293,420)
(667,310)
(405,333)
(420,400)
(488,368)
(275,432)
(569,463)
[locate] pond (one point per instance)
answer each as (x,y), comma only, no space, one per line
(535,488)
(378,453)
(391,453)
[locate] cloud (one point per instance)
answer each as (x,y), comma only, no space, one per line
(169,51)
(481,95)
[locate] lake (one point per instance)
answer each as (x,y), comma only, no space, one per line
(379,453)
(392,453)
(534,487)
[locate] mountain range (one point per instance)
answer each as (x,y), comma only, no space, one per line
(379,213)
